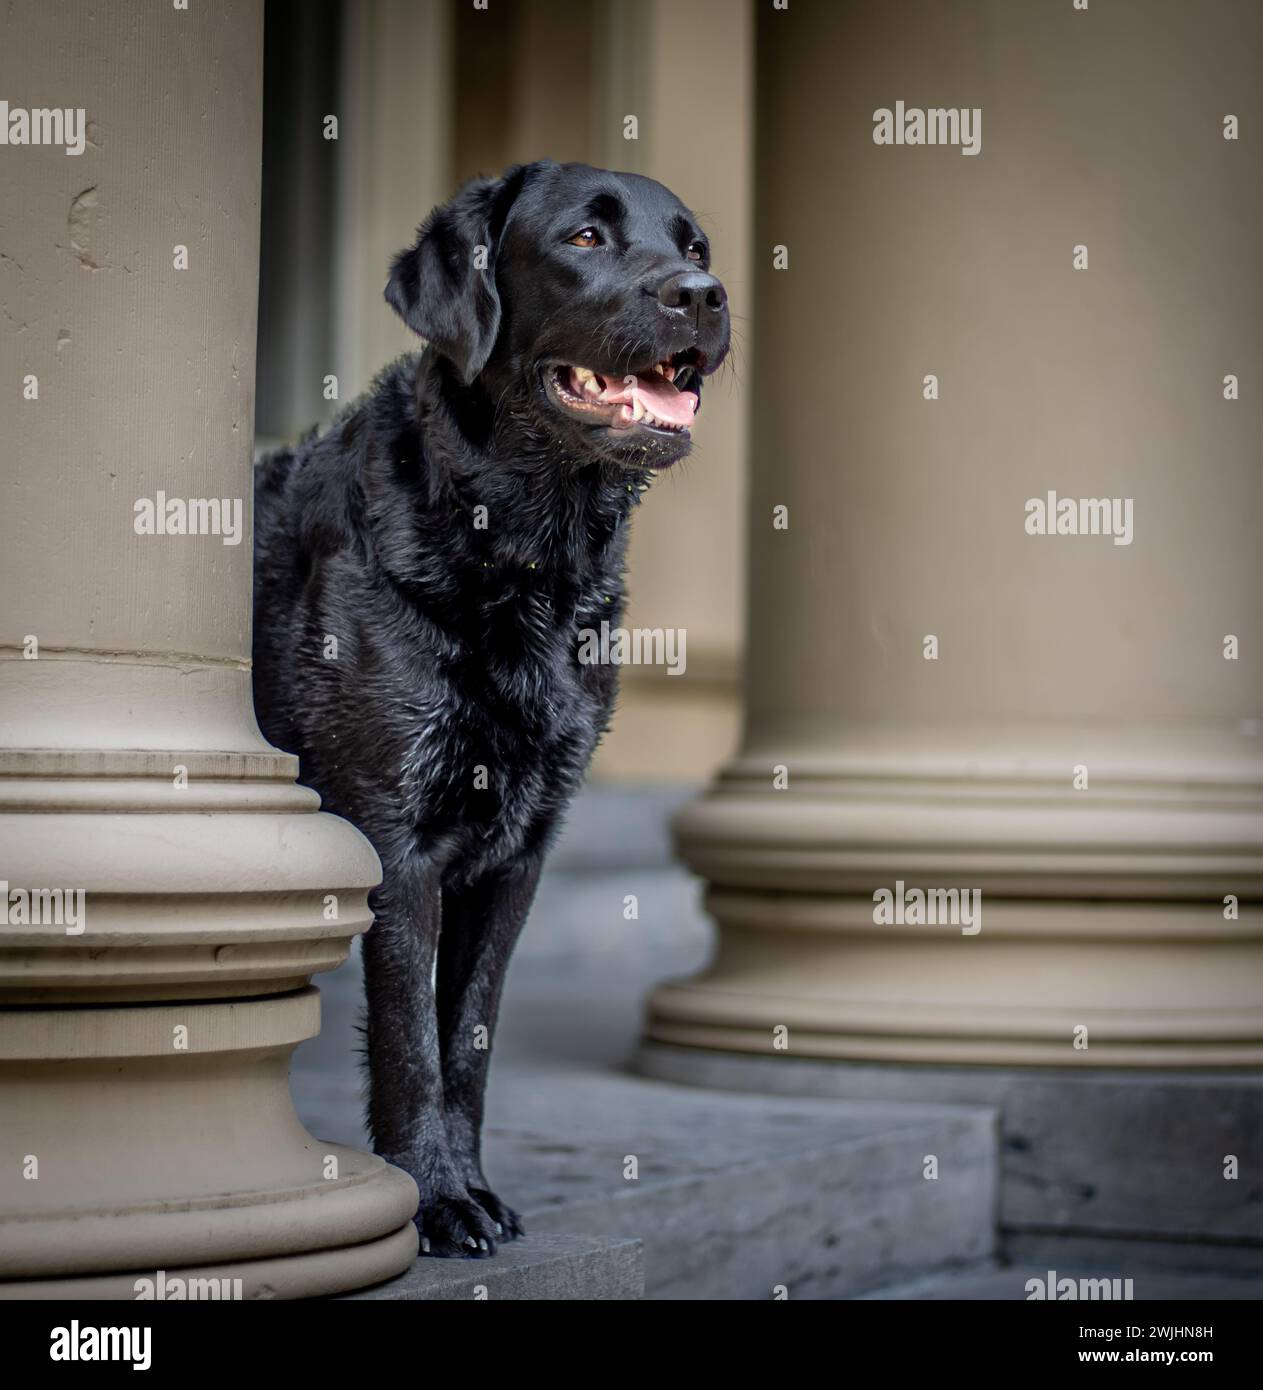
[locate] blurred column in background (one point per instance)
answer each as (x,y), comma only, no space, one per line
(300,93)
(357,150)
(193,888)
(1105,940)
(547,80)
(393,166)
(687,72)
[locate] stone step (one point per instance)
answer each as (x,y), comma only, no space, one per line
(999,1282)
(1087,1153)
(736,1196)
(733,1195)
(555,1266)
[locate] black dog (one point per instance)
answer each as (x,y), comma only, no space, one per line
(454,532)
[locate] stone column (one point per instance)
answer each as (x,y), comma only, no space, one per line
(393,163)
(170,891)
(687,556)
(1080,749)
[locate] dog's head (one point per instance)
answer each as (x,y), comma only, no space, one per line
(580,297)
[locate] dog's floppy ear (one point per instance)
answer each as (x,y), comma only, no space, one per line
(444,287)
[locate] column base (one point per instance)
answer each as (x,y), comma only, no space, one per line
(949,897)
(1052,984)
(163,1138)
(146,1122)
(314,1274)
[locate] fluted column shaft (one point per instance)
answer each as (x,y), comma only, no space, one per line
(938,699)
(169,889)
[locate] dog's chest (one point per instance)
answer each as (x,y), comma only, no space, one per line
(503,735)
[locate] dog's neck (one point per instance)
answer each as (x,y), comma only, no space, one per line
(545,506)
(498,496)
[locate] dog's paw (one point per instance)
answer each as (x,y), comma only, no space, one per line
(507,1222)
(456,1227)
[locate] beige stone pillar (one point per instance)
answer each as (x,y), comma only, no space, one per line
(393,166)
(186,889)
(1080,751)
(686,72)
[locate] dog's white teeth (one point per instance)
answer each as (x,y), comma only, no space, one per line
(582,375)
(638,410)
(592,386)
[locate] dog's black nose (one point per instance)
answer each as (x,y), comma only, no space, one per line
(693,289)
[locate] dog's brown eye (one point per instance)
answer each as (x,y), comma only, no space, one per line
(589,236)
(696,251)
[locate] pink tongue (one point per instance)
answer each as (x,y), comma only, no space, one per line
(657,395)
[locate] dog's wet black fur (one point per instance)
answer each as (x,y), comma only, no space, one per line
(454,720)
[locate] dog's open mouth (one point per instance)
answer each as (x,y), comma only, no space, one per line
(664,397)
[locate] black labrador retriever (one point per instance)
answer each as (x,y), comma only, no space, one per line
(423,572)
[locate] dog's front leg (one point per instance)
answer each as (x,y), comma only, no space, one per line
(481,923)
(405,1074)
